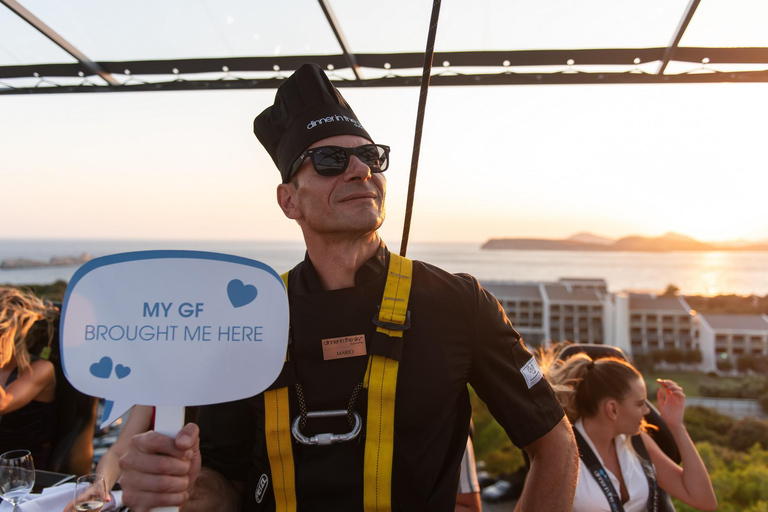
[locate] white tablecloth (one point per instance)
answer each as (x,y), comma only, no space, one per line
(54,499)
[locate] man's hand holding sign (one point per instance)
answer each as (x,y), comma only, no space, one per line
(171,329)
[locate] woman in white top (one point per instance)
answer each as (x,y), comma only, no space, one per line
(605,400)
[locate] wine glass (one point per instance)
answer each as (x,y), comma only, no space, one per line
(90,493)
(17,476)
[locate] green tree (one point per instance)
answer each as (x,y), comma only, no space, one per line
(747,432)
(707,425)
(724,365)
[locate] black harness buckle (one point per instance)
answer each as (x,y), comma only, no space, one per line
(390,325)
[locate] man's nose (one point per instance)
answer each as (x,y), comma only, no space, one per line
(356,169)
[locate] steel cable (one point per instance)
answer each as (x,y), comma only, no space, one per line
(427,71)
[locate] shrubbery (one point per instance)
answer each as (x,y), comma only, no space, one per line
(674,355)
(755,362)
(707,425)
(53,292)
(751,386)
(747,432)
(740,480)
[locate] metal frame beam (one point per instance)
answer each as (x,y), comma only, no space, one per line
(404,61)
(65,45)
(349,56)
(669,53)
(414,81)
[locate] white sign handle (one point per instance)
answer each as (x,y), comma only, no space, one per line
(168,421)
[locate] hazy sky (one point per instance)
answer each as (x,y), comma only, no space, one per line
(514,161)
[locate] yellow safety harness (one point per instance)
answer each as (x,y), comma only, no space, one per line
(381,381)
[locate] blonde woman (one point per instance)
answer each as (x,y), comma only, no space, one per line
(27,384)
(605,399)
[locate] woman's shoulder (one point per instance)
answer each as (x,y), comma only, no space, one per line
(42,371)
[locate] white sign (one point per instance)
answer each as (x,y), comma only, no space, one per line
(173,328)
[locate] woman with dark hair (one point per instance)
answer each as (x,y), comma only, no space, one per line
(605,400)
(27,384)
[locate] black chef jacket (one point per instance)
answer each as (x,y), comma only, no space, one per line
(459,334)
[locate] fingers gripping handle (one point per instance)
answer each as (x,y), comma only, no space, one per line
(168,421)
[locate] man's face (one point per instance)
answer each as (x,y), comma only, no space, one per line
(350,203)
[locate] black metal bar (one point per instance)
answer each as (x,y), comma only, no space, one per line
(669,53)
(455,80)
(425,78)
(92,67)
(495,59)
(336,27)
(414,81)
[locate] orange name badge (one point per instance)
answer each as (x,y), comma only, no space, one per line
(346,346)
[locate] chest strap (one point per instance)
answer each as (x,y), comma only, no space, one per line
(381,381)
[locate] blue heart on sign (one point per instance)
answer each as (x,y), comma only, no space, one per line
(102,369)
(122,371)
(241,294)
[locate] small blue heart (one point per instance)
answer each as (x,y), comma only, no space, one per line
(102,369)
(122,371)
(241,294)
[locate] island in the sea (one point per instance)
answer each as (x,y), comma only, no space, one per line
(56,261)
(589,242)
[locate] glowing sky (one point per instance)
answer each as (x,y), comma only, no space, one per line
(514,161)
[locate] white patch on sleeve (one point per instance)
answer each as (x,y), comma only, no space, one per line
(531,372)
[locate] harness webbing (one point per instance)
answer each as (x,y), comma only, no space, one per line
(277,429)
(380,380)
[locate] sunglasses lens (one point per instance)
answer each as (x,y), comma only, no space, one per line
(333,160)
(374,156)
(329,160)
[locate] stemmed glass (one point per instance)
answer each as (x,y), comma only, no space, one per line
(17,476)
(90,493)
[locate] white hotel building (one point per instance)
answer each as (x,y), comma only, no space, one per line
(584,311)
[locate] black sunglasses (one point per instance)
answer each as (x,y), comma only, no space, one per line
(333,160)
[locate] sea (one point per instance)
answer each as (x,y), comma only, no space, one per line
(694,273)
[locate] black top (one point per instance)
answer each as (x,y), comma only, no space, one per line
(28,428)
(459,334)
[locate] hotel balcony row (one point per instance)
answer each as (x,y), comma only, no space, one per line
(638,323)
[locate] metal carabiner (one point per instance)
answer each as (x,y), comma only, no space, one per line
(329,438)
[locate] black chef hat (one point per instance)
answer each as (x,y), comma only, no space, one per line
(307,108)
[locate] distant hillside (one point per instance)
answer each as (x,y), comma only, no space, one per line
(589,242)
(590,238)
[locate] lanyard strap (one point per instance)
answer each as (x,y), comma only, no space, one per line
(598,472)
(600,475)
(650,473)
(380,380)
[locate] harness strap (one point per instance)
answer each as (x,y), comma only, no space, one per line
(277,429)
(381,382)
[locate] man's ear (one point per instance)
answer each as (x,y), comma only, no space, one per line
(285,193)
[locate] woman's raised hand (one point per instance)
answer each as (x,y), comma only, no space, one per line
(671,400)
